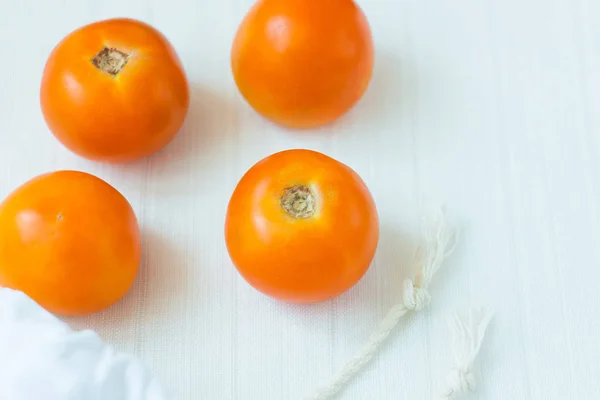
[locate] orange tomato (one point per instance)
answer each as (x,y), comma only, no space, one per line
(114,91)
(303,63)
(301,227)
(70,241)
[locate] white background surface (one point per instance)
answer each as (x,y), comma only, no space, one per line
(487,106)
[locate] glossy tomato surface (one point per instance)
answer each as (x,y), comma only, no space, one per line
(301,227)
(303,63)
(70,241)
(114,91)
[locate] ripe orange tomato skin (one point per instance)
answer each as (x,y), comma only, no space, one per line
(308,259)
(114,118)
(303,63)
(70,241)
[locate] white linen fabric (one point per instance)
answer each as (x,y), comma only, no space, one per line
(42,358)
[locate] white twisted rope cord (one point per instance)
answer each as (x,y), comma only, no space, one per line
(468,335)
(439,242)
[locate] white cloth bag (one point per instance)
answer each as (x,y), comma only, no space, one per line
(42,358)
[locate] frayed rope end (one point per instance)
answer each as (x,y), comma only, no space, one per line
(468,333)
(439,242)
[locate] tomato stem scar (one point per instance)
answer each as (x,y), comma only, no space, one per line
(298,201)
(111,60)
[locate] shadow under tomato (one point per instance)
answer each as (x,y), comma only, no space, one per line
(158,283)
(363,306)
(390,93)
(378,290)
(391,96)
(209,126)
